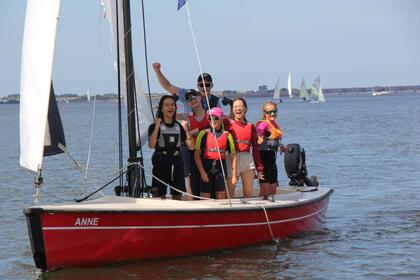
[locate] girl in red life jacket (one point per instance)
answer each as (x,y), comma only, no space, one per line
(196,121)
(269,140)
(245,136)
(210,155)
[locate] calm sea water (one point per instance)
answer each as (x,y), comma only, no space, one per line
(366,148)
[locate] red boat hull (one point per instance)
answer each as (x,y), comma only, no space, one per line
(69,239)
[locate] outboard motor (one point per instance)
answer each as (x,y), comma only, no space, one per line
(295,166)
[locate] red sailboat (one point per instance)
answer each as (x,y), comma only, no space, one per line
(120,228)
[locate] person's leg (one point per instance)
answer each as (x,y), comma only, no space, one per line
(178,181)
(248,182)
(264,189)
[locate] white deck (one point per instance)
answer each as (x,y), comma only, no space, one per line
(288,196)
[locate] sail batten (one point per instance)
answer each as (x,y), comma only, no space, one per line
(35,85)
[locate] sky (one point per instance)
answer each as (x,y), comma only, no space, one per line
(242,43)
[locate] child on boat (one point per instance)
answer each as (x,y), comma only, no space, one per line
(197,121)
(166,136)
(269,137)
(245,136)
(210,155)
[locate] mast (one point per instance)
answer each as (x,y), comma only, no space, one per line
(132,174)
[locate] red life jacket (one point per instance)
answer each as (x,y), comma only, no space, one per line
(242,134)
(203,124)
(211,151)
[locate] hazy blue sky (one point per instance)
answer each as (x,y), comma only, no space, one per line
(242,43)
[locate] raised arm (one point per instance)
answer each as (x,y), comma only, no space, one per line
(164,81)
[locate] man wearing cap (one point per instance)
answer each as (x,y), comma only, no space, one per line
(204,85)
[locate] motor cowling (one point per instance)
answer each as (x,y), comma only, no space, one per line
(295,166)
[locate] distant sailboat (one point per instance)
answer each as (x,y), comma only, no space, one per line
(289,85)
(276,95)
(303,93)
(316,91)
(88,95)
(321,94)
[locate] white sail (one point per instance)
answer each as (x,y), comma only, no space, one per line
(303,93)
(144,111)
(276,95)
(88,95)
(289,86)
(321,94)
(35,84)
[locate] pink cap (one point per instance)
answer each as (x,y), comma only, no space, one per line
(215,111)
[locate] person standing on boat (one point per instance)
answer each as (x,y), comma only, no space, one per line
(210,155)
(269,137)
(204,85)
(166,135)
(197,121)
(245,136)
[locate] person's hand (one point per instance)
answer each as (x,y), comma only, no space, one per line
(260,140)
(204,177)
(234,180)
(260,175)
(156,66)
(158,121)
(185,126)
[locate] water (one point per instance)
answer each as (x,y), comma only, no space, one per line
(366,148)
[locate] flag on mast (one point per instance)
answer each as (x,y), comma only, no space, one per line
(181,3)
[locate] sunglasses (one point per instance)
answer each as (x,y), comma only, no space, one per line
(191,98)
(207,85)
(272,112)
(214,118)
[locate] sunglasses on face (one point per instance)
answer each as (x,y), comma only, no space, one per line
(191,98)
(207,85)
(271,113)
(214,118)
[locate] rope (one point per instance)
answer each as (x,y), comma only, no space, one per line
(269,225)
(145,58)
(206,93)
(92,125)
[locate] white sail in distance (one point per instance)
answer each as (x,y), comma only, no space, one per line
(276,95)
(289,86)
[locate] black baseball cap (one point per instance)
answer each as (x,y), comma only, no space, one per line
(206,77)
(190,92)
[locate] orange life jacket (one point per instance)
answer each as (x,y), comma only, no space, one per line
(242,134)
(203,124)
(211,151)
(275,130)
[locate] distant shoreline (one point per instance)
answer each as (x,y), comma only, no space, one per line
(111,97)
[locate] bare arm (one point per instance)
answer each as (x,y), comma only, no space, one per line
(163,80)
(234,168)
(153,137)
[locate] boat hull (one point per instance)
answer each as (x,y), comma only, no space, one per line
(69,238)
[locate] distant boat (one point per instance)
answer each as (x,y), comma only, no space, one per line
(378,91)
(289,85)
(276,95)
(303,93)
(88,95)
(316,91)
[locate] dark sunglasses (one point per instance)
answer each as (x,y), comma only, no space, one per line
(214,118)
(272,112)
(191,98)
(205,84)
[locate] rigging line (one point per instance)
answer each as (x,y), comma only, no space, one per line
(269,225)
(120,149)
(92,125)
(207,97)
(175,189)
(146,58)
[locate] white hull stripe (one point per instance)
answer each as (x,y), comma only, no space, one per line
(183,226)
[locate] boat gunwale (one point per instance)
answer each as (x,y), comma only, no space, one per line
(249,207)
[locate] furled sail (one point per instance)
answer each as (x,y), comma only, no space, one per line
(144,114)
(35,84)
